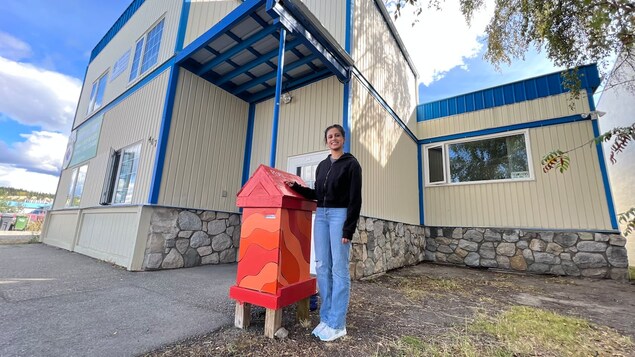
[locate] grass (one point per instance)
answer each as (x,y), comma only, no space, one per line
(631,273)
(520,331)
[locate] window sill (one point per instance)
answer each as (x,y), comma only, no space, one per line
(429,185)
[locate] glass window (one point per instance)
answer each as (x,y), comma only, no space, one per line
(75,189)
(128,163)
(120,65)
(502,157)
(146,56)
(97,93)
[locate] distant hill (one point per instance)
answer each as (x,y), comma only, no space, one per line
(15,193)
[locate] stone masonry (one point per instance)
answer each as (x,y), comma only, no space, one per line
(585,254)
(180,238)
(379,246)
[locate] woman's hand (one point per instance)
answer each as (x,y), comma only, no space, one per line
(345,240)
(289,183)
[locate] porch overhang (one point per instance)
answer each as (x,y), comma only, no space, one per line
(240,54)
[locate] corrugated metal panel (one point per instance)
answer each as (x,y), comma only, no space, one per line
(143,20)
(135,120)
(379,59)
(302,122)
(332,15)
(261,142)
(60,230)
(388,157)
(573,200)
(205,150)
(204,14)
(109,234)
(523,112)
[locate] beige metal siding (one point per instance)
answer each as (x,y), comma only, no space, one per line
(573,200)
(301,124)
(143,20)
(379,59)
(523,112)
(205,149)
(204,14)
(134,120)
(332,15)
(62,189)
(109,234)
(61,228)
(388,157)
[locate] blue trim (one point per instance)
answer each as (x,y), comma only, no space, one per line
(528,89)
(180,37)
(603,169)
(347,109)
(363,81)
(502,129)
(150,76)
(291,85)
(265,77)
(276,103)
(249,142)
(119,24)
(420,175)
(164,133)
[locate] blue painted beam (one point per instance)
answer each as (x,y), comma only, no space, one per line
(265,77)
(276,104)
(237,48)
(248,142)
(420,181)
(180,37)
(302,81)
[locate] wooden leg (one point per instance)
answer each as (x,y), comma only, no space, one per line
(273,321)
(243,315)
(302,309)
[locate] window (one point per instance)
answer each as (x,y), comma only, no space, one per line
(97,93)
(121,176)
(492,158)
(75,189)
(120,65)
(146,51)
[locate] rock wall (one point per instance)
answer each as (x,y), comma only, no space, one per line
(379,246)
(179,238)
(542,252)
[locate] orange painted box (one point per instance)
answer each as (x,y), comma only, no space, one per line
(275,242)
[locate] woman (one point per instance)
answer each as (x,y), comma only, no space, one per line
(338,190)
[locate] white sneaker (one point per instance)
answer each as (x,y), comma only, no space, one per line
(330,334)
(318,329)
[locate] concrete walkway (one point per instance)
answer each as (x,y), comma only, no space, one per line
(57,303)
(19,237)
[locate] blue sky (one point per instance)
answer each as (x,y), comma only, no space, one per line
(45,47)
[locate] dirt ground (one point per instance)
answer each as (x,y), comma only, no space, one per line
(410,310)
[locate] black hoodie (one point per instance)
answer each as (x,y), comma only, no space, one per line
(338,185)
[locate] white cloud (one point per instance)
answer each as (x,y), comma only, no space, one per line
(41,152)
(21,178)
(37,97)
(13,48)
(442,40)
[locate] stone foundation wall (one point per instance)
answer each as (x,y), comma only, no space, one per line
(542,252)
(179,238)
(379,246)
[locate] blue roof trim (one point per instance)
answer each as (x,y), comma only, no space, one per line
(502,129)
(529,89)
(119,24)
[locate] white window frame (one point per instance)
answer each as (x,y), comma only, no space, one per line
(138,147)
(94,93)
(137,70)
(121,65)
(446,159)
(72,188)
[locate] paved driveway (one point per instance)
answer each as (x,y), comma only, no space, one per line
(57,303)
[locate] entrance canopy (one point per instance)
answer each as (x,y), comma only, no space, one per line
(243,52)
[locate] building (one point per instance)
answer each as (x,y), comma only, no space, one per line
(183,100)
(617,101)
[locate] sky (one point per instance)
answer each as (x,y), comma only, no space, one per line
(45,47)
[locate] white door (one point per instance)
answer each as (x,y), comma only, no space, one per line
(305,166)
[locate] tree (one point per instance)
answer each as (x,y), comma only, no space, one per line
(572,33)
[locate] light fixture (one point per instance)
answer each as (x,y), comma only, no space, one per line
(286,98)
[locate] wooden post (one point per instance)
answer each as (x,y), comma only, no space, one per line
(243,315)
(273,321)
(302,309)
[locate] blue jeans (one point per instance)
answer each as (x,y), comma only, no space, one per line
(333,277)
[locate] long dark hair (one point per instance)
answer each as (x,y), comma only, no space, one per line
(336,126)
